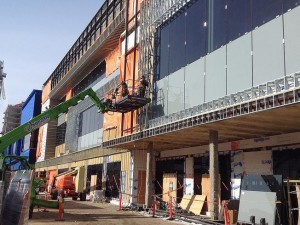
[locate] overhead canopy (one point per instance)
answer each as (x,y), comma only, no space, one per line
(194,131)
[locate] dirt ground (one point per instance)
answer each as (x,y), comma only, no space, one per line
(86,213)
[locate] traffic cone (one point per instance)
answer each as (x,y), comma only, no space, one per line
(60,208)
(120,201)
(154,207)
(171,208)
(226,217)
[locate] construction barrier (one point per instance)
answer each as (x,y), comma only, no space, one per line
(120,201)
(226,217)
(60,208)
(154,207)
(171,208)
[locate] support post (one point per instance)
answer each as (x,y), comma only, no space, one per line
(214,174)
(149,175)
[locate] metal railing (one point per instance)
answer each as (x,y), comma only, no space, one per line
(263,94)
(270,95)
(106,14)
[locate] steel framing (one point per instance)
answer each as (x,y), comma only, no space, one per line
(106,14)
(270,95)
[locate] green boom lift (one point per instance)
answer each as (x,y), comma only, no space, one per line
(125,104)
(6,161)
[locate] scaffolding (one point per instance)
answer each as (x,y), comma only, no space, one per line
(153,14)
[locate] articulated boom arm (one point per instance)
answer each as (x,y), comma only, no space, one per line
(50,114)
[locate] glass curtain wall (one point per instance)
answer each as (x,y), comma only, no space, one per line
(198,31)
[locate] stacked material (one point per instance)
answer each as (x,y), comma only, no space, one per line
(15,207)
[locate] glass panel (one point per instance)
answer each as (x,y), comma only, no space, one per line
(90,121)
(194,83)
(292,44)
(239,18)
(161,102)
(264,11)
(215,77)
(268,39)
(177,44)
(216,25)
(196,31)
(164,52)
(290,4)
(239,65)
(176,91)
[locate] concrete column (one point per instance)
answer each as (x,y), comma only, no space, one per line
(85,174)
(149,175)
(214,174)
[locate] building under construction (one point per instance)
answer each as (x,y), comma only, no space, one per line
(223,80)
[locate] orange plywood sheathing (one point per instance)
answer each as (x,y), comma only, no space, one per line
(141,187)
(39,144)
(113,61)
(46,91)
(127,123)
(131,8)
(132,68)
(122,62)
(139,5)
(129,66)
(52,174)
(113,120)
(69,94)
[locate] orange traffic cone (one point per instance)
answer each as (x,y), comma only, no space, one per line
(60,208)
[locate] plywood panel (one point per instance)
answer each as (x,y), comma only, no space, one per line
(113,61)
(46,91)
(125,167)
(116,158)
(169,186)
(93,182)
(141,187)
(186,202)
(206,190)
(197,204)
(258,162)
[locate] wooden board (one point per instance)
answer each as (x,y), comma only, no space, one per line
(141,187)
(186,202)
(197,204)
(93,182)
(206,190)
(169,186)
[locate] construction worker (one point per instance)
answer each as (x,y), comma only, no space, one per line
(142,87)
(125,90)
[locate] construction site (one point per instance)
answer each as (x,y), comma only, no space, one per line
(163,112)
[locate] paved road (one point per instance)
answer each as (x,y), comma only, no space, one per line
(88,213)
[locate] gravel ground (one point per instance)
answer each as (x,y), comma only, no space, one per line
(85,213)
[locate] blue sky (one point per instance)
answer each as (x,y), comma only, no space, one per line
(34,37)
